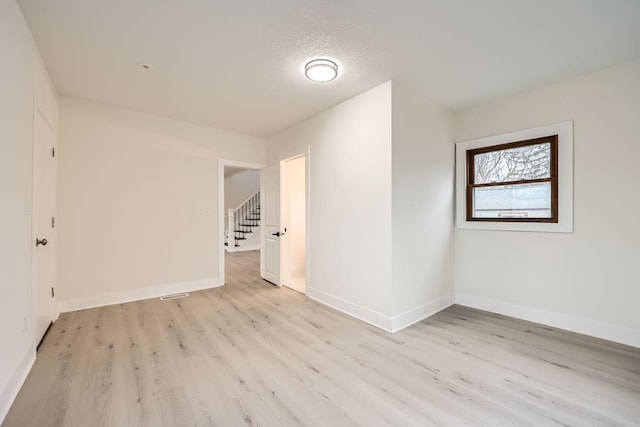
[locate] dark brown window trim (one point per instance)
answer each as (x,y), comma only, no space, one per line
(553,178)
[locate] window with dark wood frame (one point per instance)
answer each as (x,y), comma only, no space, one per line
(514,182)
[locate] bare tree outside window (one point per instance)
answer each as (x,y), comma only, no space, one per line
(515,164)
(513,182)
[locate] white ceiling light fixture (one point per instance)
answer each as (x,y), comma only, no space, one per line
(321,70)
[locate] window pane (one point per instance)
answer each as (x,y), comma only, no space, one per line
(513,201)
(513,164)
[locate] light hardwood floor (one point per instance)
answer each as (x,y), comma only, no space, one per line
(253,354)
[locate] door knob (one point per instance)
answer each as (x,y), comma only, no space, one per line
(279,233)
(42,242)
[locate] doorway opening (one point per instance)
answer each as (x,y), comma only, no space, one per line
(293,214)
(239,209)
(242,209)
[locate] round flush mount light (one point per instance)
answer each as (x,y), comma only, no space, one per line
(321,70)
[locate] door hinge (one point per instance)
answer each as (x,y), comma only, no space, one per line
(53,151)
(53,222)
(53,292)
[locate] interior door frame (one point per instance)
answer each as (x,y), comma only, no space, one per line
(306,152)
(221,213)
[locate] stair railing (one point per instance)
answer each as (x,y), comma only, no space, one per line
(243,220)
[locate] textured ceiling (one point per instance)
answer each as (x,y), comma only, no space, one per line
(238,65)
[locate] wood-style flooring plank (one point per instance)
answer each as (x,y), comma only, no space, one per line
(252,354)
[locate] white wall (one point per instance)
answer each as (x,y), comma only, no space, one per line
(292,215)
(422,206)
(586,281)
(138,203)
(350,197)
(239,187)
(297,228)
(17,86)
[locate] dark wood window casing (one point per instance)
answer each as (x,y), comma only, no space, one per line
(552,179)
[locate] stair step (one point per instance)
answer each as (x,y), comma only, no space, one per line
(249,225)
(239,238)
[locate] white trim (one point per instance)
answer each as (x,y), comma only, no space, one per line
(221,212)
(365,314)
(564,131)
(101,300)
(421,312)
(593,328)
(11,389)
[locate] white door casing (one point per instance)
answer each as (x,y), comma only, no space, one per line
(270,218)
(222,163)
(43,227)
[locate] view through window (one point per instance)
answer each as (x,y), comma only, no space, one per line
(515,182)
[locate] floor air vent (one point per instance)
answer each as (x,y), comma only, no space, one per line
(174,296)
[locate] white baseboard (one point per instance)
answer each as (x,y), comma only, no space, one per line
(379,320)
(12,387)
(421,312)
(101,300)
(372,317)
(607,331)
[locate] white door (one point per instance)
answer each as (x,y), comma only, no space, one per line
(270,214)
(43,213)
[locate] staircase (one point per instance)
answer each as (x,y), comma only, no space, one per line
(244,223)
